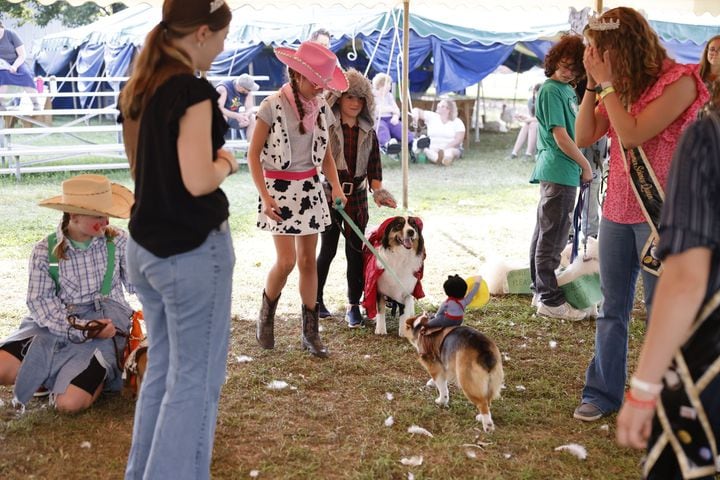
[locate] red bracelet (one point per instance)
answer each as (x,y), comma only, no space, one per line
(636,402)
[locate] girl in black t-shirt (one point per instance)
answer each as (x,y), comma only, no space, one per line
(180,254)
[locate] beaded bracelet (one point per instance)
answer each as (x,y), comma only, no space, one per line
(630,399)
(646,387)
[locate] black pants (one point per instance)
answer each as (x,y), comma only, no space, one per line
(549,238)
(353,253)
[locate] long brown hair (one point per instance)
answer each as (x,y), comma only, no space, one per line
(636,54)
(704,64)
(160,58)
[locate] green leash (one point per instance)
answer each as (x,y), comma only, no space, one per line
(341,210)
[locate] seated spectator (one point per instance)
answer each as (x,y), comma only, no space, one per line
(445,131)
(388,125)
(237,102)
(13,70)
(321,36)
(69,343)
(528,130)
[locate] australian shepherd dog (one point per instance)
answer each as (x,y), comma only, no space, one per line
(400,243)
(464,356)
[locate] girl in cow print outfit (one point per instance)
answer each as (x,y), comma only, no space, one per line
(289,144)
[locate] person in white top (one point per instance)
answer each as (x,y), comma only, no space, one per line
(445,130)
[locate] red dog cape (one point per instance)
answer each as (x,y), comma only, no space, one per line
(373,270)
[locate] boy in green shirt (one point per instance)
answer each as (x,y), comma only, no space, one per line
(559,169)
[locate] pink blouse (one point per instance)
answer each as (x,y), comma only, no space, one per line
(621,205)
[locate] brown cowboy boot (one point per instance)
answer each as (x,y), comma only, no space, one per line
(264,333)
(310,336)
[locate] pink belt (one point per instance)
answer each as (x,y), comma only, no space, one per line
(284,175)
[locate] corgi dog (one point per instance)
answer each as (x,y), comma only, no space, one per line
(400,243)
(465,356)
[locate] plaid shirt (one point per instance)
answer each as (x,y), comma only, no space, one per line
(81,278)
(357,203)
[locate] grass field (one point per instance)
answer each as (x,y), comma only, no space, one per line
(330,422)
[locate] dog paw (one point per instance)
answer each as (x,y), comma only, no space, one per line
(487,423)
(443,402)
(380,331)
(430,383)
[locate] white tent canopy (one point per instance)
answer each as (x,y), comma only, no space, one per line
(697,7)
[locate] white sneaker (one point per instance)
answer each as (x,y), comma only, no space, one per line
(564,312)
(535,300)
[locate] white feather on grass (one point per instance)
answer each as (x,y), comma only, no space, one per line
(573,448)
(390,397)
(278,385)
(414,461)
(243,359)
(254,473)
(419,430)
(86,444)
(389,421)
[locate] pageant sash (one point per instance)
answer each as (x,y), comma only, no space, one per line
(650,196)
(681,415)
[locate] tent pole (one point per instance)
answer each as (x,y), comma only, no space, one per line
(599,6)
(405,95)
(477,112)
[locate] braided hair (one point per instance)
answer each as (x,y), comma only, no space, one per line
(296,93)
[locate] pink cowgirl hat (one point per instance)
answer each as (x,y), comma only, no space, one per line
(316,63)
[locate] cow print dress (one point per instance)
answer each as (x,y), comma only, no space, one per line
(302,203)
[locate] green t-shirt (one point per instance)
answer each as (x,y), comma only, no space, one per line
(80,245)
(556,107)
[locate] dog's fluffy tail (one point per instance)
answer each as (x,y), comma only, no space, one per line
(496,377)
(483,379)
(490,364)
(487,357)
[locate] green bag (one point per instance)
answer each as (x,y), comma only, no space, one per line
(584,291)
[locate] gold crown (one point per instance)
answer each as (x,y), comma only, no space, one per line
(215,4)
(595,23)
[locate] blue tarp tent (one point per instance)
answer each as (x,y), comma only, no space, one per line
(459,56)
(451,54)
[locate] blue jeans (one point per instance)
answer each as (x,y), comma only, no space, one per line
(620,249)
(186,304)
